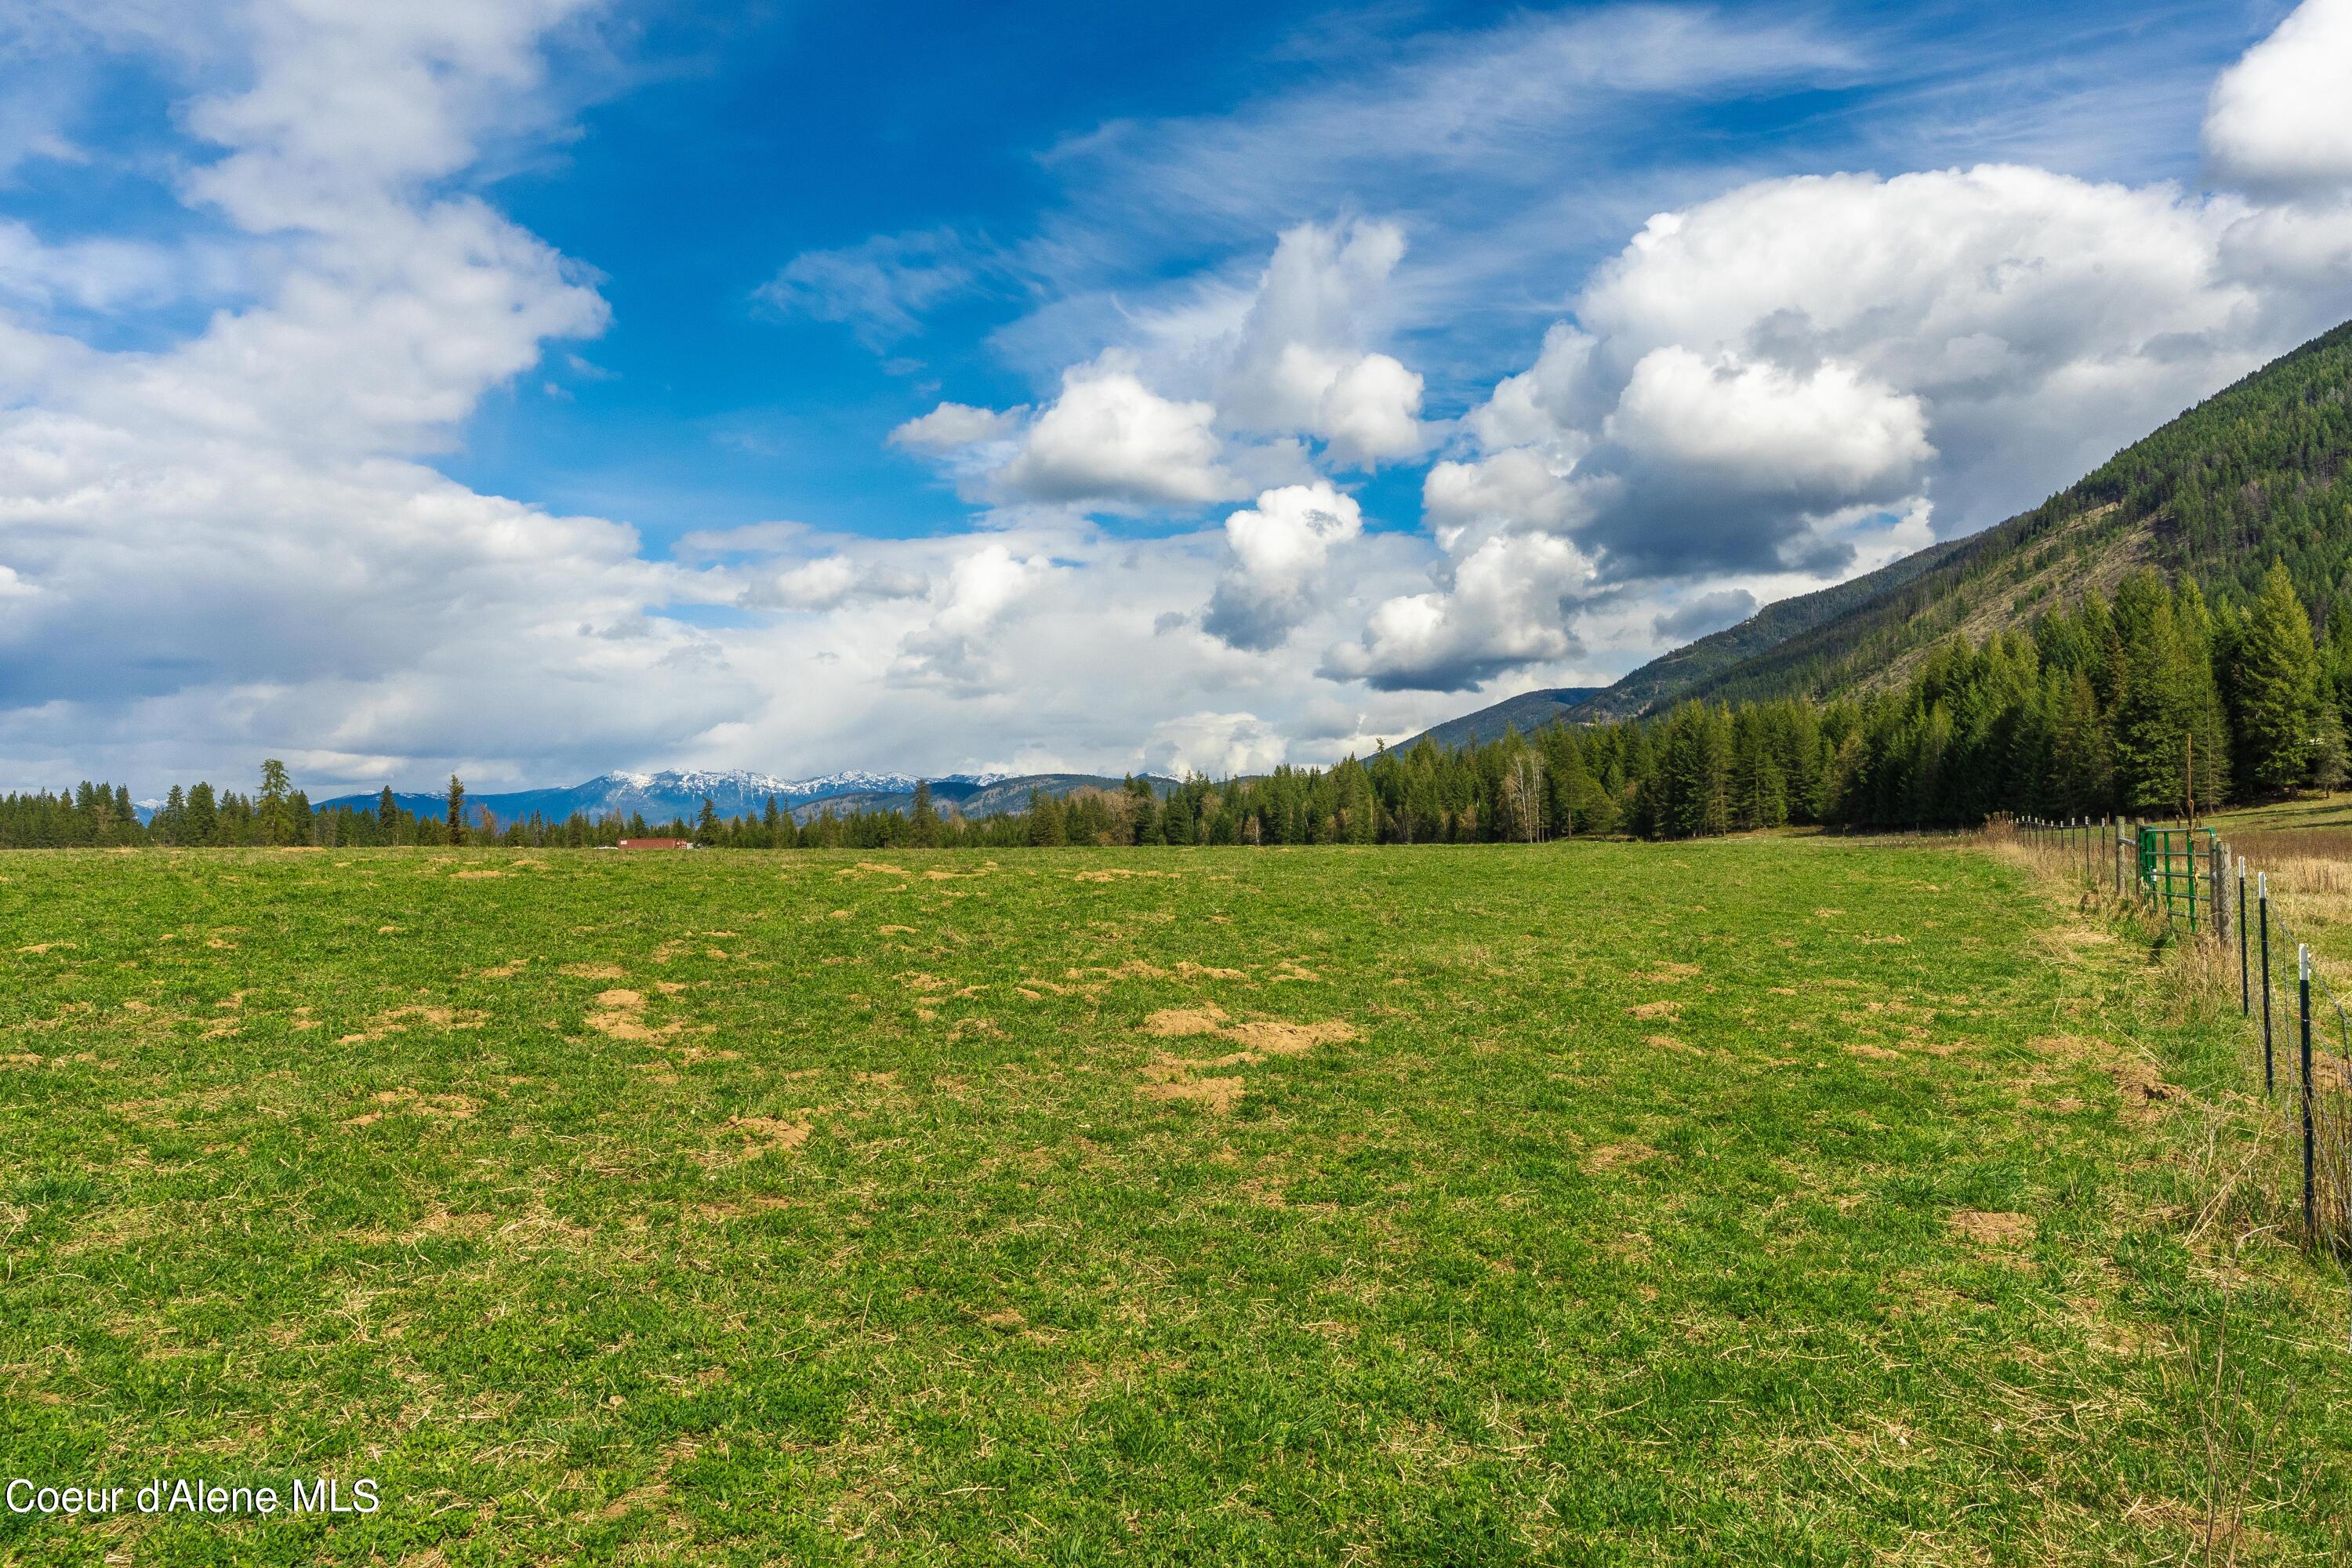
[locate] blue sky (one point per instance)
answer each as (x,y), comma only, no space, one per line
(536,387)
(715,156)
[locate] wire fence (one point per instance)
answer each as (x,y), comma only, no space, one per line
(2188,879)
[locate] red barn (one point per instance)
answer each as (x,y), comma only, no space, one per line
(656,843)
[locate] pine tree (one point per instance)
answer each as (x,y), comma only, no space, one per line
(277,819)
(457,810)
(923,822)
(2275,681)
(204,816)
(706,823)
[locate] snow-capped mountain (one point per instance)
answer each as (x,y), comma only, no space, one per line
(738,792)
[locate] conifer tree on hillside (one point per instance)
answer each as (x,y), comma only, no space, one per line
(2209,726)
(1047,825)
(706,823)
(387,812)
(457,810)
(2274,679)
(923,822)
(2154,699)
(276,817)
(204,819)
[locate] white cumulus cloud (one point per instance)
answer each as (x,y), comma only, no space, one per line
(2280,119)
(1281,554)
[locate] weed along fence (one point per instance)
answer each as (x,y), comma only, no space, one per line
(2186,879)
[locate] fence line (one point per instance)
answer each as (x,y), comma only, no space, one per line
(2181,875)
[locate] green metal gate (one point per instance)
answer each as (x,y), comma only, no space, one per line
(2172,862)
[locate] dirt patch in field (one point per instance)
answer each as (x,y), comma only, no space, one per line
(1191,971)
(620,1015)
(1291,969)
(1618,1156)
(1668,1043)
(1996,1229)
(595,972)
(1669,973)
(1874,1053)
(473,876)
(1218,1096)
(506,971)
(1119,873)
(1654,1010)
(407,1102)
(1133,969)
(766,1134)
(44,946)
(402,1018)
(2141,1086)
(898,931)
(2145,1092)
(1172,1022)
(1274,1039)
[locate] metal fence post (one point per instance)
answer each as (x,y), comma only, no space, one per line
(2262,911)
(2245,986)
(2310,1189)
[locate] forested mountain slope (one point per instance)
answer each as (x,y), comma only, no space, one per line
(2254,474)
(1660,682)
(1527,713)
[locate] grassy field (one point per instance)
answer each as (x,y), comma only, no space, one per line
(1757,1202)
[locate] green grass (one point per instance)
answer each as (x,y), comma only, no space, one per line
(882,1228)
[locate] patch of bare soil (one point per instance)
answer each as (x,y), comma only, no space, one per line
(1191,971)
(1873,1053)
(2144,1091)
(1654,1010)
(620,1015)
(473,876)
(1218,1096)
(1617,1156)
(401,1018)
(1996,1229)
(1172,1022)
(1668,974)
(1133,969)
(506,971)
(1119,873)
(1276,1039)
(407,1102)
(595,972)
(766,1134)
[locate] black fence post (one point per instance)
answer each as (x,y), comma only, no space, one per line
(2245,985)
(2262,912)
(2310,1188)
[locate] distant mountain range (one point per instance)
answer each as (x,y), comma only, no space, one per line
(732,793)
(1527,713)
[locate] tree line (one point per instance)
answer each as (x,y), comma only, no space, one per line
(2133,705)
